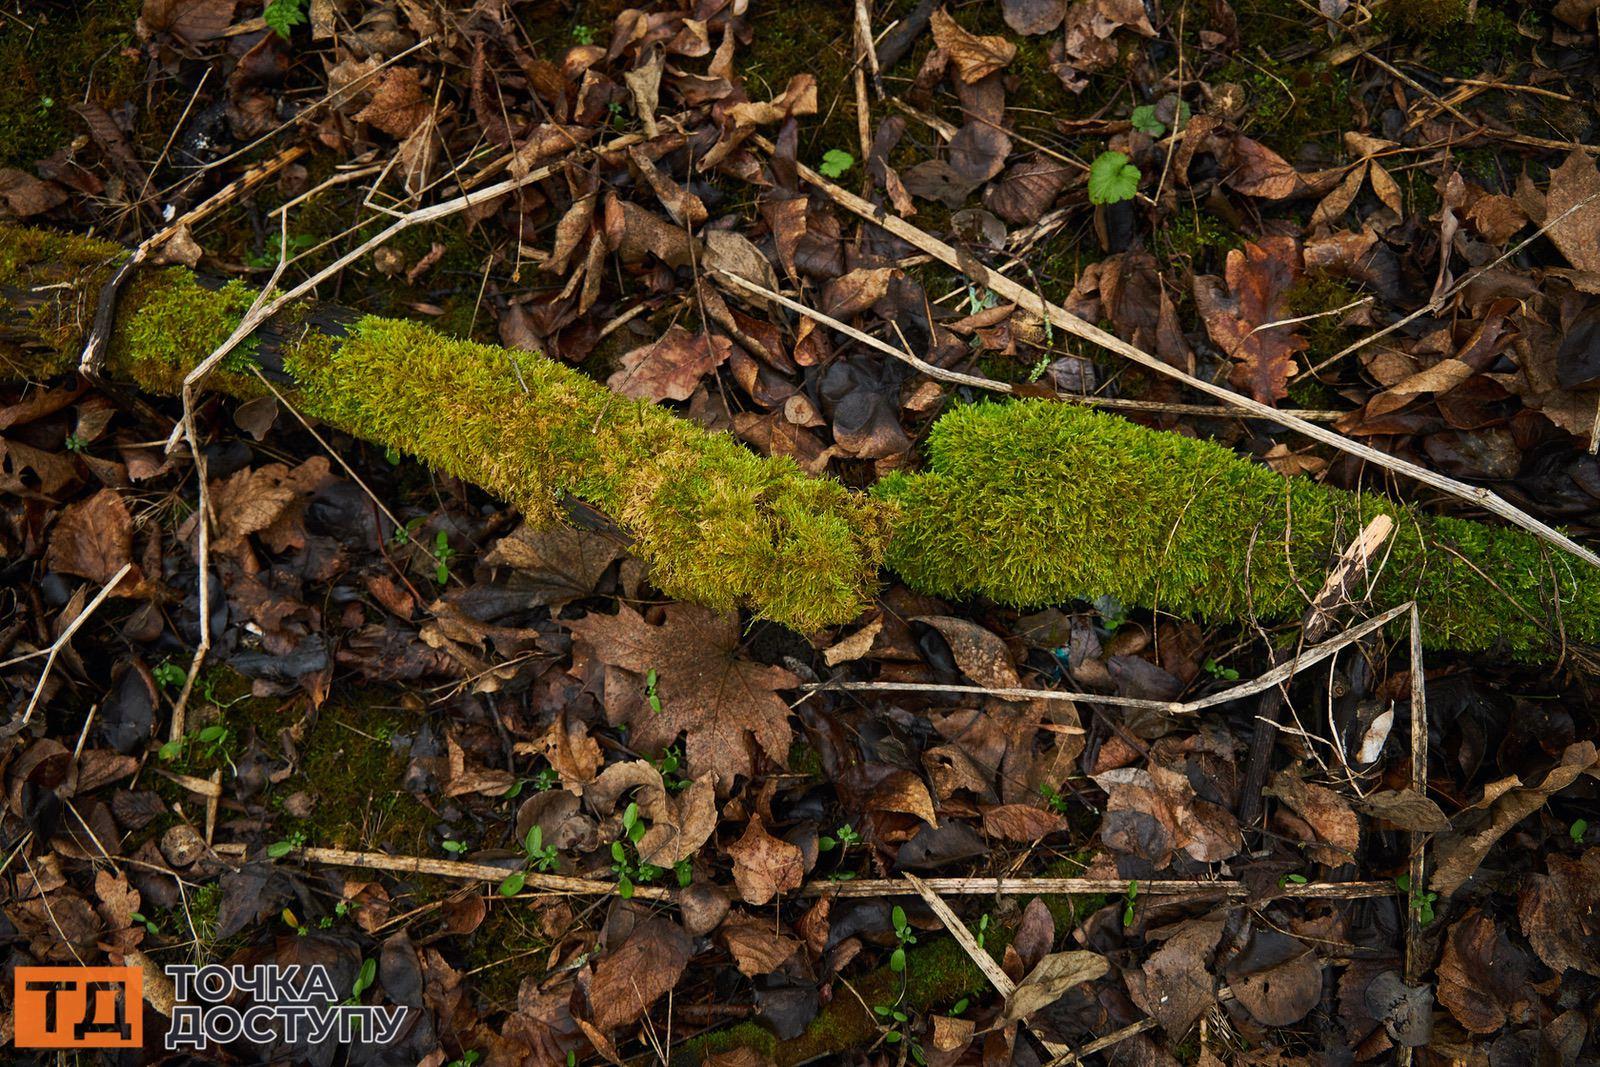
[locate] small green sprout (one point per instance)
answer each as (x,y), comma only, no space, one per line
(583,34)
(149,925)
(169,675)
(455,848)
(904,936)
(835,163)
(1421,901)
(1128,903)
(282,16)
(650,692)
(442,555)
(365,978)
(279,849)
(1217,670)
(1576,831)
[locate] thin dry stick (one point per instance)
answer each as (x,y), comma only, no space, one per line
(1016,887)
(974,380)
(863,31)
(1439,301)
(258,315)
(986,963)
(1309,658)
(66,635)
(1060,317)
(1419,785)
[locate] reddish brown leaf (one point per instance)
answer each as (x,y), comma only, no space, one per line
(398,105)
(93,539)
(1483,977)
(974,57)
(669,369)
(1259,278)
(1020,822)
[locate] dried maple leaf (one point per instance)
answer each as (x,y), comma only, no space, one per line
(1259,278)
(720,701)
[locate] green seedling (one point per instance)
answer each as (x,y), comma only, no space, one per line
(455,848)
(650,692)
(983,929)
(1576,831)
(468,1058)
(279,849)
(1291,879)
(836,162)
(364,979)
(1217,670)
(904,936)
(282,16)
(442,555)
(76,444)
(150,927)
(1421,900)
(583,34)
(1057,802)
(1128,900)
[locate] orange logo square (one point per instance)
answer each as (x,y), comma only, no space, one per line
(79,1007)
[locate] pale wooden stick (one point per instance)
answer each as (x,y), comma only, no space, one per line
(974,380)
(1419,783)
(1060,317)
(986,963)
(1309,658)
(66,635)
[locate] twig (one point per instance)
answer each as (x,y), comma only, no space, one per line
(105,311)
(1419,785)
(66,635)
(1309,658)
(1318,620)
(986,963)
(974,380)
(1060,317)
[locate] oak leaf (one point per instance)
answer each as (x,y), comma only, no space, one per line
(721,702)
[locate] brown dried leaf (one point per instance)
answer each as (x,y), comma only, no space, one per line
(93,539)
(1020,822)
(1030,17)
(974,57)
(756,945)
(1328,814)
(1505,803)
(1259,278)
(722,702)
(24,195)
(1174,985)
(1575,188)
(764,866)
(1050,980)
(1483,977)
(670,368)
(196,21)
(1560,912)
(560,563)
(981,654)
(398,105)
(626,982)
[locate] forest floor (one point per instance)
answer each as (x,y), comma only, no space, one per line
(483,770)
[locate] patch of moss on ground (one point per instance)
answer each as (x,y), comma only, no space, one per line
(1288,104)
(1194,234)
(52,56)
(502,952)
(1321,295)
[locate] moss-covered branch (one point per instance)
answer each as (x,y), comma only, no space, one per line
(1028,503)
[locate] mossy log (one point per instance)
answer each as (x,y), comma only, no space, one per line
(1027,503)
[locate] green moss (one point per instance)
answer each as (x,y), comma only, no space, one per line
(1321,294)
(502,952)
(1031,503)
(52,57)
(1195,234)
(355,776)
(715,522)
(1290,103)
(1037,503)
(1457,40)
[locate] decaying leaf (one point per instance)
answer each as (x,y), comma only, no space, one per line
(626,982)
(1259,278)
(974,57)
(723,702)
(764,866)
(1049,981)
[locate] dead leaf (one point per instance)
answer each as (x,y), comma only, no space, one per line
(574,755)
(1020,822)
(196,21)
(1276,978)
(678,823)
(1560,912)
(764,866)
(670,368)
(1575,188)
(1050,980)
(1407,809)
(706,690)
(398,105)
(756,945)
(1031,17)
(1259,278)
(980,654)
(1483,977)
(1505,803)
(1327,813)
(974,57)
(1174,985)
(93,538)
(626,982)
(559,563)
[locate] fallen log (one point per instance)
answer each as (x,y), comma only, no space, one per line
(1027,503)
